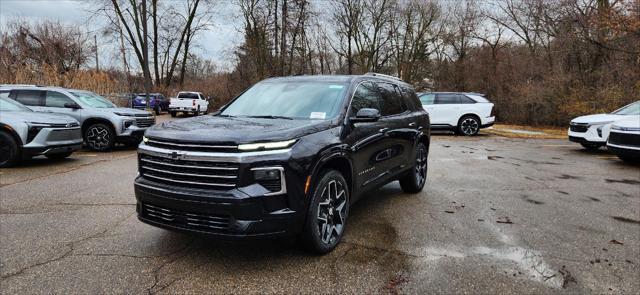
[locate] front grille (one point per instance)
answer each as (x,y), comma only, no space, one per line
(145,122)
(579,127)
(186,220)
(190,174)
(191,146)
(624,139)
(64,134)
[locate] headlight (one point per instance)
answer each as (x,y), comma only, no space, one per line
(600,123)
(599,129)
(127,124)
(271,178)
(145,139)
(266,145)
(34,129)
(614,127)
(123,114)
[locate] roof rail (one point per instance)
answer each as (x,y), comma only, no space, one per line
(382,75)
(21,85)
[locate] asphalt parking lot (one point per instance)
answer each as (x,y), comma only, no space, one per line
(498,215)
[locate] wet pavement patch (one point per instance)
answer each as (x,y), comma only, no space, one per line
(616,242)
(504,220)
(563,192)
(494,157)
(625,220)
(567,176)
(625,181)
(594,199)
(532,201)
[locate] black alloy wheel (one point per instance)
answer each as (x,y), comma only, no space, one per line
(328,213)
(468,126)
(415,180)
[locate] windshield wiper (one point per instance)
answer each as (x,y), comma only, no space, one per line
(271,117)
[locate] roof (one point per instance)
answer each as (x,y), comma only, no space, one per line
(338,78)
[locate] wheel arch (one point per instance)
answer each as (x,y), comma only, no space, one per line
(12,132)
(338,161)
(91,121)
(469,115)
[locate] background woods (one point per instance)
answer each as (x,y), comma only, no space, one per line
(541,61)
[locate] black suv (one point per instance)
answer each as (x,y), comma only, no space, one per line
(287,157)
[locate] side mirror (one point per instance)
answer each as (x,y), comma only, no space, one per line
(366,115)
(72,105)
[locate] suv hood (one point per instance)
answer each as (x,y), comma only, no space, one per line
(125,111)
(38,117)
(235,130)
(598,118)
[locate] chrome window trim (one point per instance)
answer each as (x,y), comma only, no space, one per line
(283,181)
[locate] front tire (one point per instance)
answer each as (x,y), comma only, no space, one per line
(157,110)
(414,181)
(173,114)
(468,126)
(9,151)
(99,137)
(327,214)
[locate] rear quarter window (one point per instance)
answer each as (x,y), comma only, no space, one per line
(477,98)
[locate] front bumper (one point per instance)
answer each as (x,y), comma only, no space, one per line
(230,214)
(182,109)
(171,195)
(53,141)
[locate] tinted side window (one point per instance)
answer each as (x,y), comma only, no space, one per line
(29,97)
(465,99)
(428,98)
(447,99)
(392,101)
(365,96)
(56,99)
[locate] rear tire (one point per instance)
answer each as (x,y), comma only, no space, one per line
(468,126)
(327,213)
(414,181)
(9,150)
(59,156)
(197,113)
(157,110)
(99,137)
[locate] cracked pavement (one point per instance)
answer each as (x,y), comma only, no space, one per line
(70,227)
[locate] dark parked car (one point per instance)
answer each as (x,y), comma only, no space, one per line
(288,157)
(157,102)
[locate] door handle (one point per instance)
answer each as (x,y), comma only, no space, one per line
(384,130)
(412,124)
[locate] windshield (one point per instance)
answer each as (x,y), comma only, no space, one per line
(632,109)
(93,100)
(298,100)
(8,105)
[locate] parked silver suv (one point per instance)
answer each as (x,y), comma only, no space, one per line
(103,123)
(25,133)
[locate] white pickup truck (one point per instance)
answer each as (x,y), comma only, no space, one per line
(189,102)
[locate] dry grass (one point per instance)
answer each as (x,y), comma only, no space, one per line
(549,132)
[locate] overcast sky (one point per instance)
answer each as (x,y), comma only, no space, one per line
(216,44)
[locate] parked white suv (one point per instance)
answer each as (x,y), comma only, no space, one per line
(464,113)
(624,139)
(592,131)
(189,102)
